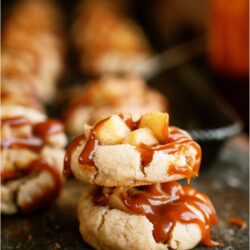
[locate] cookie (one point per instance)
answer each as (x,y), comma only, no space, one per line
(32,59)
(118,151)
(100,53)
(160,217)
(32,153)
(109,95)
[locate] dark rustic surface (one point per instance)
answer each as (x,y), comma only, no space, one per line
(226,183)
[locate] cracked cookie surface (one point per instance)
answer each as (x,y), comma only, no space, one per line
(107,222)
(120,151)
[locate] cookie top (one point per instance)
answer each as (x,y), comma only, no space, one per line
(32,152)
(160,216)
(110,95)
(118,151)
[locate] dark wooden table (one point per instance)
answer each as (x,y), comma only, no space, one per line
(225,182)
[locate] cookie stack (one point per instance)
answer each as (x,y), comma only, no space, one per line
(32,145)
(134,201)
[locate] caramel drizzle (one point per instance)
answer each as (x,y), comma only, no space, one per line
(176,141)
(33,168)
(31,143)
(15,121)
(40,132)
(47,128)
(86,156)
(50,194)
(69,152)
(127,118)
(238,222)
(165,205)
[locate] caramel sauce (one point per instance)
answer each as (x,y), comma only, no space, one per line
(9,174)
(15,121)
(47,128)
(127,118)
(165,131)
(177,141)
(238,222)
(68,155)
(100,198)
(31,143)
(86,156)
(34,168)
(40,132)
(49,194)
(165,205)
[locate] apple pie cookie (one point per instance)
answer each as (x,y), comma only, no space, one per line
(160,217)
(32,152)
(32,58)
(106,40)
(121,151)
(109,95)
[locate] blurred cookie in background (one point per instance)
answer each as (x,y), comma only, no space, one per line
(108,95)
(32,152)
(33,48)
(106,40)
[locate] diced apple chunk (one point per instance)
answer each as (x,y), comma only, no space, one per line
(141,136)
(157,122)
(111,130)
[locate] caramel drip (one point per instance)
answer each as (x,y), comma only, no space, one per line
(238,222)
(47,128)
(86,156)
(10,174)
(68,155)
(31,143)
(34,168)
(127,118)
(165,131)
(40,132)
(177,141)
(165,205)
(42,200)
(100,197)
(15,121)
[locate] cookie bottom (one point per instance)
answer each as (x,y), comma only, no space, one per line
(111,229)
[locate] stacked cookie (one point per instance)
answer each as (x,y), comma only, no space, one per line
(108,95)
(134,201)
(32,145)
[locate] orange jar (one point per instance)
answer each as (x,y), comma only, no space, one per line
(228,38)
